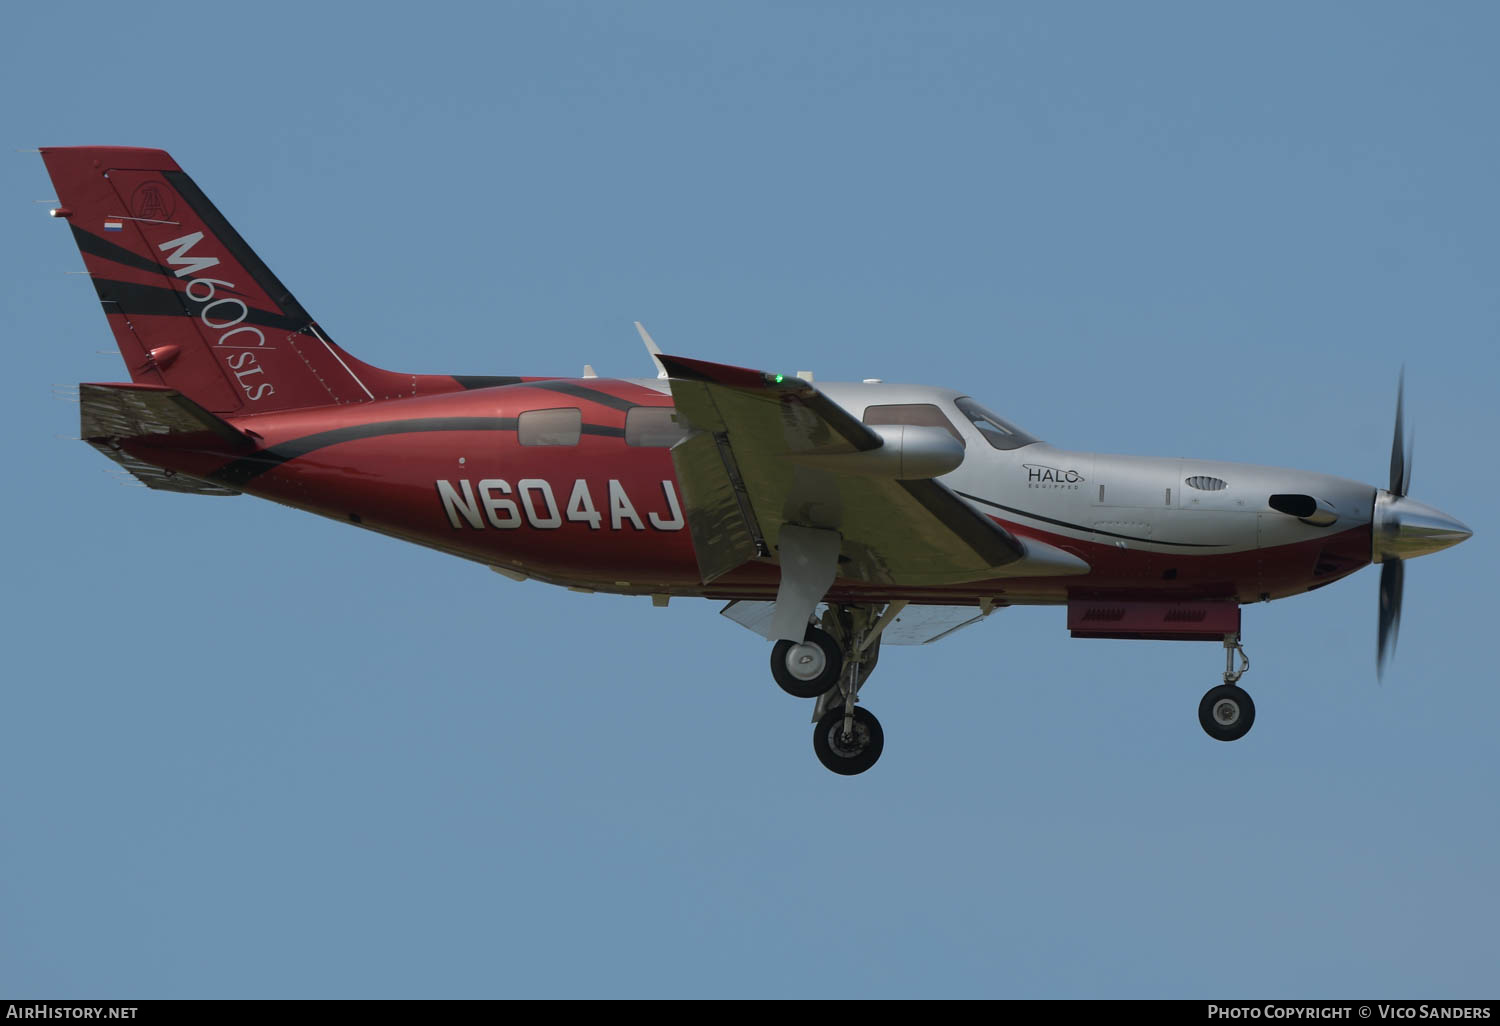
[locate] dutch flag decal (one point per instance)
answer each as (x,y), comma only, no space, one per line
(113,226)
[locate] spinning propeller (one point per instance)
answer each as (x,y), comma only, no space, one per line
(1403,528)
(1393,570)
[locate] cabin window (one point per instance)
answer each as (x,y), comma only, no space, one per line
(916,414)
(654,427)
(999,433)
(550,427)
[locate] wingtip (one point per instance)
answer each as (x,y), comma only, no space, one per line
(652,348)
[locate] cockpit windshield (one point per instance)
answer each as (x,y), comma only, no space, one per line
(999,433)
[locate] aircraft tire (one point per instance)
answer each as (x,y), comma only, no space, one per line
(808,669)
(1226,713)
(842,758)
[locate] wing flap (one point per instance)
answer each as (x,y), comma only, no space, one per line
(716,506)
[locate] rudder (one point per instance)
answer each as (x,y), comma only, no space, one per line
(190,304)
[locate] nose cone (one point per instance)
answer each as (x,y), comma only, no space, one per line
(1405,528)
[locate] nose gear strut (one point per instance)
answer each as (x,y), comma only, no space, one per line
(1231,646)
(1226,712)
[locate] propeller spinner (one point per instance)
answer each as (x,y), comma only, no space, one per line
(1403,528)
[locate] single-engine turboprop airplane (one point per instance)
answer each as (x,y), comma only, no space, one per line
(831,517)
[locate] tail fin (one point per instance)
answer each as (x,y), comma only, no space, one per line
(191,305)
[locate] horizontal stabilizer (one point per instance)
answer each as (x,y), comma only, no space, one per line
(151,411)
(110,414)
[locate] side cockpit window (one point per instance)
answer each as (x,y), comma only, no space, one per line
(999,433)
(917,414)
(653,427)
(550,427)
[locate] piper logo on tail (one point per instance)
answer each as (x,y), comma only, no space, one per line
(153,201)
(219,314)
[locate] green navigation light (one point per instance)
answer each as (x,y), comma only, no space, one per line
(780,378)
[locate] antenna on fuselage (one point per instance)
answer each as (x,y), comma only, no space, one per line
(652,348)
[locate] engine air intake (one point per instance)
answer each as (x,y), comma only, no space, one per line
(1294,505)
(1306,508)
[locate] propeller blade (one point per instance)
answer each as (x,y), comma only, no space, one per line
(1411,451)
(1399,470)
(1392,576)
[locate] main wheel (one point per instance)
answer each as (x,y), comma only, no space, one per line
(853,753)
(808,668)
(1226,712)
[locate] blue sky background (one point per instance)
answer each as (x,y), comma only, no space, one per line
(248,752)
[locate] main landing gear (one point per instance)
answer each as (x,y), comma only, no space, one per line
(809,668)
(1226,712)
(838,653)
(831,664)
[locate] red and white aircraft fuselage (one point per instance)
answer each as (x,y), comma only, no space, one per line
(832,516)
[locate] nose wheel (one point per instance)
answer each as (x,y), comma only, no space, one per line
(1226,712)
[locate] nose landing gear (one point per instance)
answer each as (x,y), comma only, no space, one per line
(1226,711)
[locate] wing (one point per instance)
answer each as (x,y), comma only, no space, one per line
(914,625)
(772,451)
